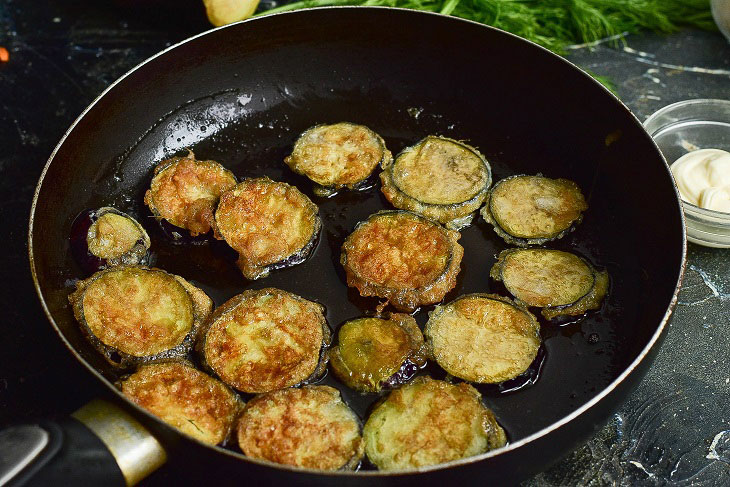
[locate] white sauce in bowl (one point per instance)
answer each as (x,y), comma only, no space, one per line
(703,178)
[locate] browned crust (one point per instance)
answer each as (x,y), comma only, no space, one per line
(184,191)
(201,306)
(185,398)
(308,427)
(268,339)
(403,257)
(268,223)
(429,422)
(321,154)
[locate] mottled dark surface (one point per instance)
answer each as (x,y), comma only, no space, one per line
(674,429)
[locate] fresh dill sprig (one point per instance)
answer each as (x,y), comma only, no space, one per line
(555,24)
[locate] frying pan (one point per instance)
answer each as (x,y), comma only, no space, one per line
(241,95)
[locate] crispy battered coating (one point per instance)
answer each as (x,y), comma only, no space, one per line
(402,257)
(308,427)
(342,154)
(184,191)
(590,301)
(438,177)
(185,398)
(371,350)
(527,210)
(270,224)
(543,277)
(560,282)
(114,235)
(429,422)
(483,338)
(139,313)
(260,341)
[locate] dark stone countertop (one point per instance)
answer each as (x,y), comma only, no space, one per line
(673,430)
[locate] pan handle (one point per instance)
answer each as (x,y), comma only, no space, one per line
(100,444)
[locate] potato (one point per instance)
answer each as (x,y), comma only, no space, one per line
(222,12)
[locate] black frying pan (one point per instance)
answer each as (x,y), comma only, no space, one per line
(242,94)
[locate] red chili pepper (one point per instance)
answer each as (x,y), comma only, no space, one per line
(4,55)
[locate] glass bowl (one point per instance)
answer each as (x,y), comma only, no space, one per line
(686,126)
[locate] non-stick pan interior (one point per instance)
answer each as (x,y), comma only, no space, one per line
(241,95)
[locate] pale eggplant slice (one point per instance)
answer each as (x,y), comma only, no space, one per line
(483,338)
(338,155)
(428,422)
(134,314)
(592,300)
(185,398)
(264,340)
(185,191)
(402,257)
(107,237)
(373,353)
(561,283)
(531,210)
(308,427)
(270,224)
(440,178)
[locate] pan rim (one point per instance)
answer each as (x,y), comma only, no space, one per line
(366,473)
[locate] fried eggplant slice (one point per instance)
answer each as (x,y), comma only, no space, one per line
(338,155)
(185,398)
(136,314)
(268,339)
(107,237)
(560,282)
(531,210)
(428,422)
(403,257)
(308,427)
(270,224)
(373,353)
(483,338)
(184,191)
(441,178)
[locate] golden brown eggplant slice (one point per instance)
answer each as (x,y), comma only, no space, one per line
(428,422)
(307,427)
(403,257)
(184,191)
(185,398)
(338,155)
(270,224)
(107,237)
(268,339)
(531,210)
(136,314)
(560,282)
(441,178)
(373,353)
(483,338)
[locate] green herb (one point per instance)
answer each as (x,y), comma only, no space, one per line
(555,24)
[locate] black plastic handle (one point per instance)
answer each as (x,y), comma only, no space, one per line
(100,444)
(62,452)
